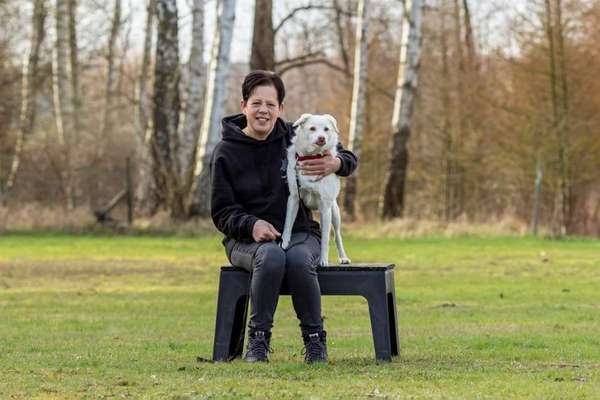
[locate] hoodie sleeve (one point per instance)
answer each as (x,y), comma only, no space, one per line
(349,161)
(228,216)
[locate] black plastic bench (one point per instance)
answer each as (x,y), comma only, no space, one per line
(375,282)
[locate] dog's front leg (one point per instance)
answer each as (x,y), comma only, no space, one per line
(337,230)
(292,203)
(325,211)
(290,216)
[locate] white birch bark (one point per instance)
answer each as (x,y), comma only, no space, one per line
(29,87)
(195,90)
(214,102)
(145,185)
(60,63)
(410,58)
(359,92)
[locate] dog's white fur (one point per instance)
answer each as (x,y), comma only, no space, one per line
(315,194)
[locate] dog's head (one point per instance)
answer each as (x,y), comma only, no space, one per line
(315,133)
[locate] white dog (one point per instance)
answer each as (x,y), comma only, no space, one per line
(315,134)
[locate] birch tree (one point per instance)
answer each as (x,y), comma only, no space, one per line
(194,96)
(166,107)
(146,190)
(213,106)
(410,56)
(263,43)
(29,89)
(359,92)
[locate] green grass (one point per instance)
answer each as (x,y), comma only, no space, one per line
(125,317)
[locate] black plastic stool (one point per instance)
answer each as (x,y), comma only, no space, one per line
(375,282)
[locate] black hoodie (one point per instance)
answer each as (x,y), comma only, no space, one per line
(248,180)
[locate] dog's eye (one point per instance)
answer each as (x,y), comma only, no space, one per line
(326,129)
(312,128)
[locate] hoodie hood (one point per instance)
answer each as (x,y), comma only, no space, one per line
(233,125)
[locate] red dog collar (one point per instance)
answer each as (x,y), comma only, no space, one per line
(304,158)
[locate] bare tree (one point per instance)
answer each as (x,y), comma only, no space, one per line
(560,109)
(106,130)
(167,107)
(63,100)
(410,56)
(29,89)
(213,106)
(340,35)
(194,98)
(359,92)
(74,66)
(146,190)
(263,39)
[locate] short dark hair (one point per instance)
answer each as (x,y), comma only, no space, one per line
(262,78)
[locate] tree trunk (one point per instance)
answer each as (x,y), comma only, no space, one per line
(263,47)
(563,126)
(107,127)
(410,56)
(214,105)
(469,39)
(560,204)
(539,176)
(461,118)
(146,189)
(29,89)
(166,107)
(194,98)
(448,153)
(74,65)
(340,36)
(357,114)
(63,100)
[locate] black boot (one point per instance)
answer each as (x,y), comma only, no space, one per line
(258,347)
(315,347)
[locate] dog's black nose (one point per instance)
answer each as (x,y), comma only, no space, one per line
(321,140)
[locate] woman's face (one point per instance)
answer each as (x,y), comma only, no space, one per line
(261,110)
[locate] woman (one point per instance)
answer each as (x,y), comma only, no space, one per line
(248,204)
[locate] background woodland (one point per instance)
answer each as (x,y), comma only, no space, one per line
(459,109)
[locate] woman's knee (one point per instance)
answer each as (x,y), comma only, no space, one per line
(271,257)
(299,260)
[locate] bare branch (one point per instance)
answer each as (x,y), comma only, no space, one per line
(307,7)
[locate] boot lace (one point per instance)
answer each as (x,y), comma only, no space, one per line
(258,346)
(314,349)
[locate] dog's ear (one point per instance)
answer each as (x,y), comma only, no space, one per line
(300,121)
(333,122)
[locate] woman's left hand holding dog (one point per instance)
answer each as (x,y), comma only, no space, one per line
(321,167)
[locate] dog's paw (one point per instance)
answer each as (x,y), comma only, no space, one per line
(344,261)
(323,263)
(285,243)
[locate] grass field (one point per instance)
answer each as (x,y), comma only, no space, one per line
(125,317)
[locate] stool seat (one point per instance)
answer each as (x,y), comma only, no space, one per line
(375,282)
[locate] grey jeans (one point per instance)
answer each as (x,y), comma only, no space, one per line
(270,265)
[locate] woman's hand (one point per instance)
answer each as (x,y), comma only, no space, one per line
(321,167)
(262,231)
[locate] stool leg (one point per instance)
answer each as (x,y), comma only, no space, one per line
(392,313)
(232,304)
(380,324)
(238,332)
